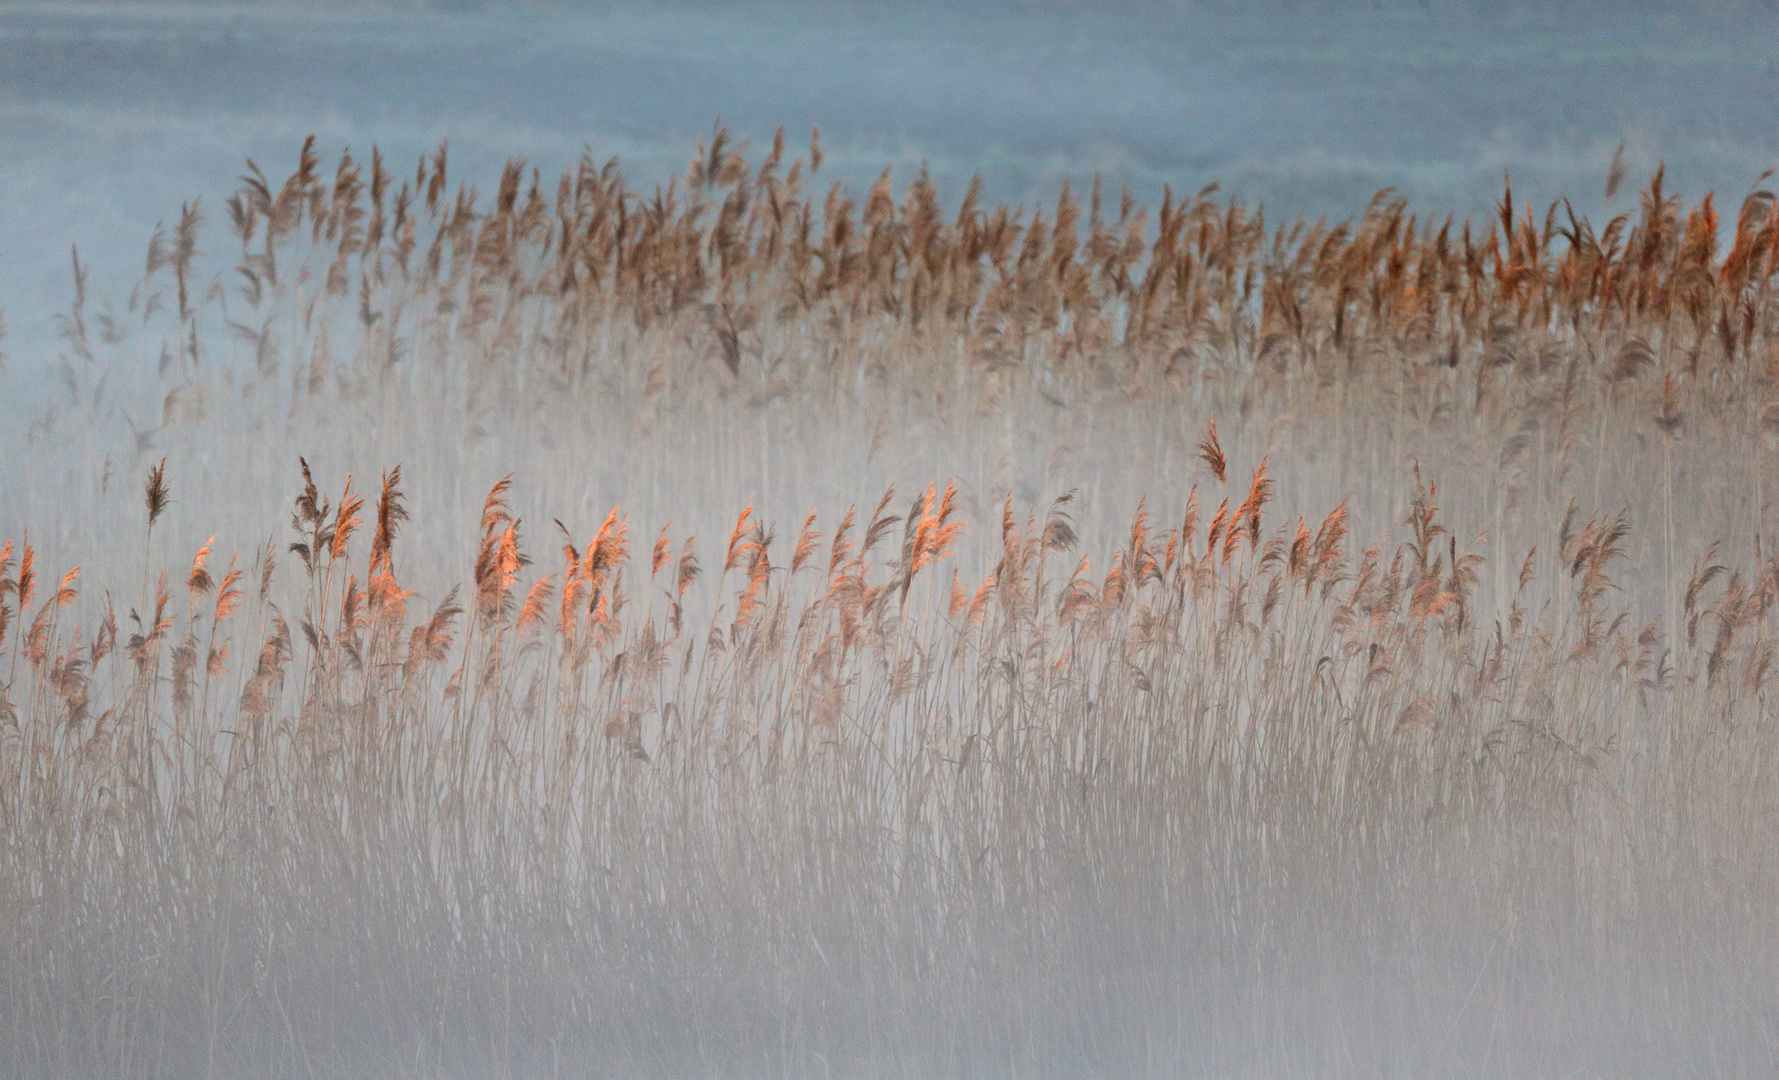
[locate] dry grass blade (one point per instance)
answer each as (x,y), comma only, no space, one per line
(155,493)
(1211,453)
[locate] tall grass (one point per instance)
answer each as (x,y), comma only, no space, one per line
(1416,727)
(737,317)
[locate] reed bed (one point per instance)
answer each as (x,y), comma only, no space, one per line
(1417,724)
(733,317)
(342,283)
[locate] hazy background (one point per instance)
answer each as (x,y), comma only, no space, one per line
(113,114)
(1575,927)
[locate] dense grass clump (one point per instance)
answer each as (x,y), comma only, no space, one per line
(1416,723)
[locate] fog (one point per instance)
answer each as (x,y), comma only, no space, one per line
(1286,648)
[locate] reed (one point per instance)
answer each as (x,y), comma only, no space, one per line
(743,270)
(1439,744)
